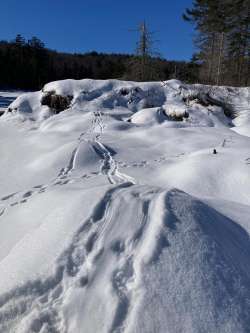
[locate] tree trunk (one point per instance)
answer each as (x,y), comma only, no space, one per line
(222,35)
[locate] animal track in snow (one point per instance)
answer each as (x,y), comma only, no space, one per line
(22,197)
(109,165)
(7,197)
(43,297)
(120,280)
(145,163)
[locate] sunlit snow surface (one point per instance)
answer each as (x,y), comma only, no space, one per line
(116,218)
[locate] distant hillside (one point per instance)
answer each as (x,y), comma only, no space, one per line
(30,65)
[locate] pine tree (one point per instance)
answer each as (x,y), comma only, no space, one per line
(222,38)
(239,42)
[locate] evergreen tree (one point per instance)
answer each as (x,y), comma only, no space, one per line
(29,65)
(223,39)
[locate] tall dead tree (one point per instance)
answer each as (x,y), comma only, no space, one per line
(143,66)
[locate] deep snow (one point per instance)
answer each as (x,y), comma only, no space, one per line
(115,217)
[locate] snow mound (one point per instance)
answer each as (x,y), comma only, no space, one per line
(198,277)
(171,263)
(148,116)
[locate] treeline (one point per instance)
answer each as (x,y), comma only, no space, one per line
(29,65)
(223,40)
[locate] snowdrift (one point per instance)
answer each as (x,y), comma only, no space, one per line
(116,216)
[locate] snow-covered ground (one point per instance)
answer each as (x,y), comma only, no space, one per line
(116,216)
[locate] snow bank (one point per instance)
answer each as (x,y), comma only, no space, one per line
(178,101)
(116,216)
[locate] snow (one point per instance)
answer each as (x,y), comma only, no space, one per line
(6,98)
(115,214)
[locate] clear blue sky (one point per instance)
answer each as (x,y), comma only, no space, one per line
(101,25)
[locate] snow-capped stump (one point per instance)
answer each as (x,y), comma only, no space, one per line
(177,113)
(57,103)
(176,116)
